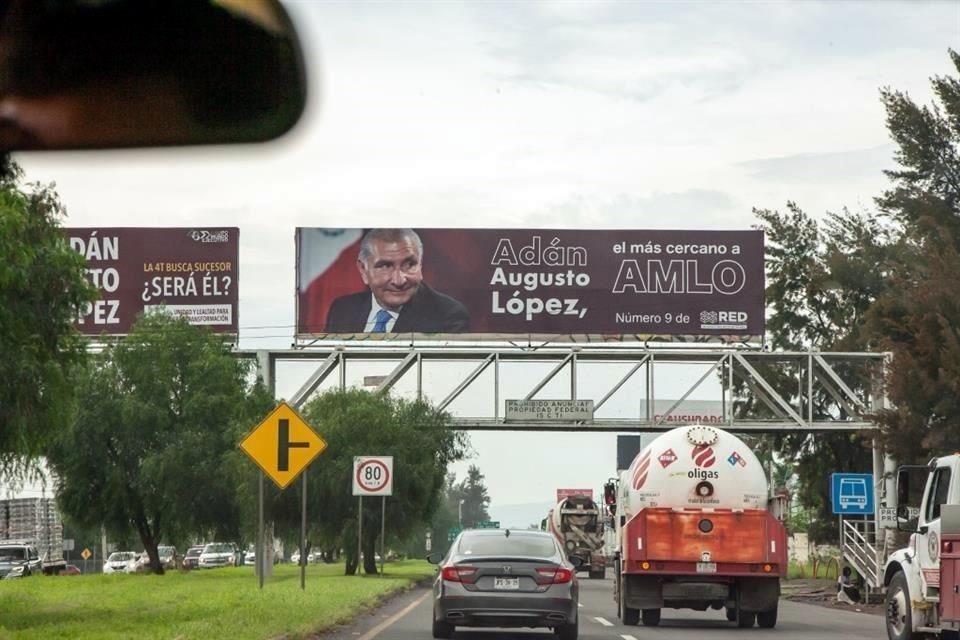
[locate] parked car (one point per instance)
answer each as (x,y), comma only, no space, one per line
(19,559)
(70,570)
(168,559)
(121,562)
(503,578)
(219,554)
(311,557)
(191,558)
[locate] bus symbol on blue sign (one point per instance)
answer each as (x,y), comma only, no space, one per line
(852,493)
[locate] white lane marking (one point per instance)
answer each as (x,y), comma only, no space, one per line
(625,637)
(373,633)
(604,622)
(580,604)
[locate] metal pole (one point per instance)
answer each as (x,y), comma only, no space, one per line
(303,536)
(359,533)
(383,534)
(261,543)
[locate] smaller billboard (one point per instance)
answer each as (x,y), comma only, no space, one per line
(191,272)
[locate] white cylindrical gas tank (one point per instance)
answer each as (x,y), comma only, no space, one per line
(695,467)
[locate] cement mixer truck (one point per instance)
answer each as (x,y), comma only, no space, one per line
(694,531)
(577,523)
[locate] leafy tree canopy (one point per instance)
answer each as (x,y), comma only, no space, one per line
(42,288)
(159,415)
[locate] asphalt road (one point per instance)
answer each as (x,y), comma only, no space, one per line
(408,618)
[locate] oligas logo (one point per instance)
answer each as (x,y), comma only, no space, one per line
(700,474)
(703,455)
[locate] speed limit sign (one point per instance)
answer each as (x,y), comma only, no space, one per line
(373,476)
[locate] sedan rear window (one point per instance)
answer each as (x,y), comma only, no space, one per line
(502,545)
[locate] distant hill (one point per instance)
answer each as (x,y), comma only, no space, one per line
(520,516)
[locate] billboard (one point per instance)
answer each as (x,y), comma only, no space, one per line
(192,272)
(598,284)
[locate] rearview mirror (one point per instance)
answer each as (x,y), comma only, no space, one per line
(76,74)
(575,561)
(435,557)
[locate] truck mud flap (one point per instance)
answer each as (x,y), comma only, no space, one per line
(643,592)
(757,594)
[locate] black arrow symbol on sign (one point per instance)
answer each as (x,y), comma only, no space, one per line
(284,445)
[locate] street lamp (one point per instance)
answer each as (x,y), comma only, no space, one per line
(460,513)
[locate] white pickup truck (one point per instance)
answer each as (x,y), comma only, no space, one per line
(923,579)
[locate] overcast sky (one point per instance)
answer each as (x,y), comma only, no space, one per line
(580,114)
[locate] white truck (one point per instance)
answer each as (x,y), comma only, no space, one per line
(577,523)
(35,522)
(695,531)
(923,579)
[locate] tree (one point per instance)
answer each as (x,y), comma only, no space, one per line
(473,492)
(918,318)
(42,289)
(159,413)
(355,423)
(822,279)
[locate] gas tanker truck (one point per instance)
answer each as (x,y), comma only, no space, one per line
(577,523)
(694,531)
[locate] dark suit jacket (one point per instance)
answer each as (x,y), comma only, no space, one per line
(428,312)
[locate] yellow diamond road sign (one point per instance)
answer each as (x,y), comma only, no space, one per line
(283,445)
(85,554)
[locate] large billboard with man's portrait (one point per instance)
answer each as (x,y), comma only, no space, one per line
(490,283)
(190,272)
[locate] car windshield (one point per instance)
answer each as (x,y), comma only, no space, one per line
(165,552)
(503,545)
(218,547)
(8,554)
(121,556)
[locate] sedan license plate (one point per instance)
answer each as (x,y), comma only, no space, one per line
(706,567)
(506,583)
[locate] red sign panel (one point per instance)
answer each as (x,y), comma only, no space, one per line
(191,272)
(501,282)
(563,494)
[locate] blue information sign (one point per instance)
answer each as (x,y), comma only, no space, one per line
(852,494)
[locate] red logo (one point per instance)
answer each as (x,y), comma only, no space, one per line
(667,458)
(703,455)
(640,474)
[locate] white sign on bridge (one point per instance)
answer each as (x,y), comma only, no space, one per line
(373,475)
(549,410)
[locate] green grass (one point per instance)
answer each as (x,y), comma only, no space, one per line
(219,603)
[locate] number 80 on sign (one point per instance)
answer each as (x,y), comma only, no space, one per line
(373,475)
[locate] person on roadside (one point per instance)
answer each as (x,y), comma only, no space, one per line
(847,590)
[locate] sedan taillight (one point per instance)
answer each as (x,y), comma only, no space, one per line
(459,573)
(553,575)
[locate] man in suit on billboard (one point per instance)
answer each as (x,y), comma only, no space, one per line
(397,300)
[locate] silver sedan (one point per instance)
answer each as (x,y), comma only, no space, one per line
(504,578)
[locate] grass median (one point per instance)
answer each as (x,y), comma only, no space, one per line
(218,603)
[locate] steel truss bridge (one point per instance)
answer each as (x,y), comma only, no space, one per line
(803,390)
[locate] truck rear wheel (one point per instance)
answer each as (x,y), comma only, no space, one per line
(651,617)
(745,619)
(898,614)
(767,619)
(731,613)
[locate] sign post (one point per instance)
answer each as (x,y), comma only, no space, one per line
(373,476)
(282,445)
